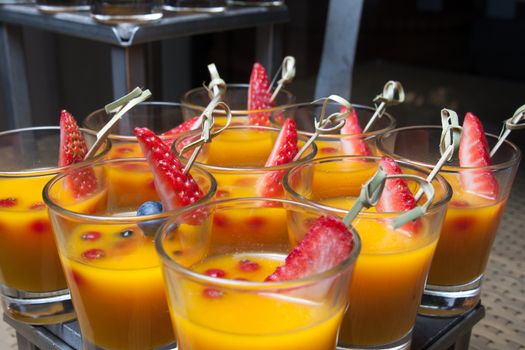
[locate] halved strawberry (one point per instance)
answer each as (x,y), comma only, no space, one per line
(396,196)
(326,244)
(283,152)
(175,188)
(259,96)
(73,149)
(353,145)
(474,152)
(186,126)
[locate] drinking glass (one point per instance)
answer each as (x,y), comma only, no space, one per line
(237,158)
(332,143)
(391,269)
(240,311)
(32,284)
(109,258)
(56,6)
(256,2)
(209,6)
(236,97)
(471,222)
(126,11)
(159,117)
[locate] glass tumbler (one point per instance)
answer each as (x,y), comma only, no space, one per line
(391,270)
(56,6)
(471,223)
(208,6)
(126,11)
(32,284)
(218,299)
(109,258)
(236,98)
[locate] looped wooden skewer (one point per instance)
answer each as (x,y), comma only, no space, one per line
(393,94)
(120,106)
(510,124)
(288,73)
(322,124)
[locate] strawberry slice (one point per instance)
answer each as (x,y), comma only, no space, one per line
(474,152)
(175,188)
(326,244)
(396,196)
(73,149)
(353,145)
(283,152)
(259,96)
(186,126)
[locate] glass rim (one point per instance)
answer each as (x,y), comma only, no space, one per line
(52,205)
(184,101)
(364,135)
(300,137)
(367,215)
(52,170)
(251,285)
(131,138)
(450,168)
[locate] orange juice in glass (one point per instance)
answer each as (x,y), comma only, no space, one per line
(392,267)
(236,158)
(159,117)
(471,222)
(236,97)
(218,299)
(110,262)
(32,284)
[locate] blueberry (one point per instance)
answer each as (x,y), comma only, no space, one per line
(150,227)
(149,208)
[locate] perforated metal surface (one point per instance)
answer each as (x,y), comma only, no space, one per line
(503,291)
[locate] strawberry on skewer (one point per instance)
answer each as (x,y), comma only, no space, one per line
(396,196)
(353,145)
(283,152)
(326,244)
(73,149)
(175,188)
(474,152)
(259,96)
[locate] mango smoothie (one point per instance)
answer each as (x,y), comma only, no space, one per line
(116,285)
(389,278)
(467,235)
(285,324)
(28,256)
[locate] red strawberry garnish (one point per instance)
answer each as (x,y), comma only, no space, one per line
(396,196)
(259,96)
(474,152)
(283,152)
(325,245)
(353,145)
(186,126)
(8,202)
(175,188)
(73,149)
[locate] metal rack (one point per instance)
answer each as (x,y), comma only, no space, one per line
(127,42)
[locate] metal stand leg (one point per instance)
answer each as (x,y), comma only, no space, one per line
(24,344)
(340,42)
(269,47)
(13,78)
(128,70)
(462,341)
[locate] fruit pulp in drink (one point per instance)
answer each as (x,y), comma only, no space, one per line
(388,280)
(210,318)
(116,285)
(466,238)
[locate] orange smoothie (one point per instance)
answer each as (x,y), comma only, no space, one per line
(328,147)
(466,238)
(124,149)
(28,254)
(220,320)
(116,285)
(388,280)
